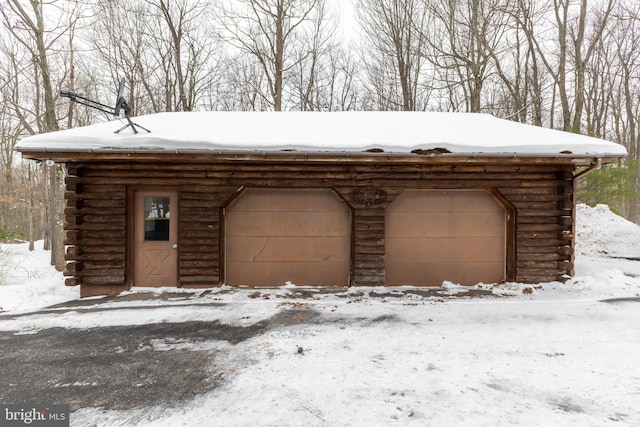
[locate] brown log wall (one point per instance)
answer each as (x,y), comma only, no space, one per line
(97,212)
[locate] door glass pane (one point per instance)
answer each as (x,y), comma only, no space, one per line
(156,218)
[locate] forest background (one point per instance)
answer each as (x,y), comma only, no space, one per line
(572,65)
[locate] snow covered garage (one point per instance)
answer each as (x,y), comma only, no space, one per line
(335,199)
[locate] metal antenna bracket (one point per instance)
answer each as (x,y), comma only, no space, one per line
(121,105)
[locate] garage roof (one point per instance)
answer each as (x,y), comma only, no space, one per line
(321,132)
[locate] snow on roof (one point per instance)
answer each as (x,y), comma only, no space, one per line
(317,132)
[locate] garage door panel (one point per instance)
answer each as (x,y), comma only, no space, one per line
(469,274)
(435,235)
(444,249)
(278,273)
(294,249)
(277,235)
(420,203)
(433,274)
(279,200)
(252,223)
(479,224)
(447,201)
(414,224)
(413,250)
(475,201)
(444,224)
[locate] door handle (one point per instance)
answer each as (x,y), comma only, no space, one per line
(174,246)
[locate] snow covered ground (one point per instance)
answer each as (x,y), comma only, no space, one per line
(549,354)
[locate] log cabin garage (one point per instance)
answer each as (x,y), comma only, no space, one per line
(318,199)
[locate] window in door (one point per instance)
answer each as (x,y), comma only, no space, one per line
(156,218)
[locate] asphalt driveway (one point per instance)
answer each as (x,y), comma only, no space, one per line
(120,367)
(124,367)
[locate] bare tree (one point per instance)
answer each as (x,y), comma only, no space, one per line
(121,46)
(517,93)
(527,16)
(622,47)
(27,26)
(382,89)
(575,46)
(239,87)
(20,193)
(625,37)
(161,47)
(394,42)
(583,50)
(309,76)
(339,90)
(463,38)
(185,50)
(42,42)
(272,32)
(597,88)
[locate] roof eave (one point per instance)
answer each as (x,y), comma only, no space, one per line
(201,155)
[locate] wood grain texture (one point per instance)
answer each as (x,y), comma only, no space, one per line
(541,193)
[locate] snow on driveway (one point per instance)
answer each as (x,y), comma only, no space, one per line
(402,361)
(550,354)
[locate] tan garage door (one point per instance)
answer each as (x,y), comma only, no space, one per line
(274,236)
(433,236)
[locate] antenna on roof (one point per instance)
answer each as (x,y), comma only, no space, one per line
(120,98)
(121,104)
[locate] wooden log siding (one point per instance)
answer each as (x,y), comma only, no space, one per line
(97,211)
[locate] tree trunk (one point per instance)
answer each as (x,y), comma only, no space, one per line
(279,58)
(52,214)
(32,219)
